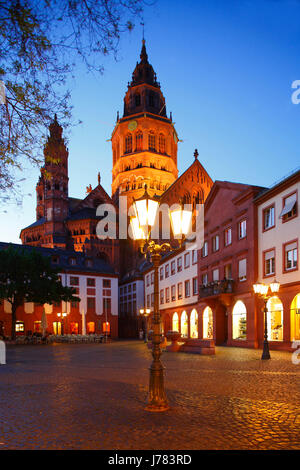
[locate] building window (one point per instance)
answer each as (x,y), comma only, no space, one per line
(148,301)
(162,296)
(72,261)
(269,217)
(107,305)
(151,141)
(152,278)
(215,275)
(269,262)
(173,293)
(137,98)
(172,268)
(243,269)
(228,271)
(175,322)
(148,280)
(194,256)
(179,264)
(205,249)
(107,283)
(166,271)
(91,303)
(162,144)
(291,256)
(139,141)
(90,282)
(74,281)
(186,260)
(90,327)
(20,327)
(227,236)
(242,229)
(184,325)
(161,274)
(167,294)
(239,321)
(152,300)
(215,243)
(195,285)
(187,290)
(179,290)
(194,324)
(204,279)
(128,143)
(289,210)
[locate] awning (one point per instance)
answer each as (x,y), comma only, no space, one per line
(289,205)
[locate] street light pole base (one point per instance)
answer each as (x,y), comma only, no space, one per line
(157,408)
(266,352)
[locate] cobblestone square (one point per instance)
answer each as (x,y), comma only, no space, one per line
(92,396)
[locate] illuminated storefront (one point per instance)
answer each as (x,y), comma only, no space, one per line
(239,321)
(184,325)
(295,318)
(207,323)
(194,324)
(275,319)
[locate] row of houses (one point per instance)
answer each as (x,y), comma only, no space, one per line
(251,234)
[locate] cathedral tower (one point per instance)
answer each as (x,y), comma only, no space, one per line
(144,140)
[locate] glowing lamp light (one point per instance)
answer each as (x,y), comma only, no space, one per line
(146,209)
(275,286)
(181,221)
(137,231)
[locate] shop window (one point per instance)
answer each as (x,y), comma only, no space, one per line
(289,210)
(207,323)
(106,328)
(194,324)
(175,322)
(57,327)
(239,321)
(20,327)
(184,324)
(74,328)
(91,327)
(269,217)
(275,319)
(269,263)
(291,256)
(295,318)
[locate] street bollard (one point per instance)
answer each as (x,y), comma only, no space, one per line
(2,352)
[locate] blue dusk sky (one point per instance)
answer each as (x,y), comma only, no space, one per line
(226,69)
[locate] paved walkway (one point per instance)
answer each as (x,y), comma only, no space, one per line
(92,396)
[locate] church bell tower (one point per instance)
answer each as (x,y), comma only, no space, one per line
(144,140)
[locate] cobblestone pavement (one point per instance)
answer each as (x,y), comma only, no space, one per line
(92,396)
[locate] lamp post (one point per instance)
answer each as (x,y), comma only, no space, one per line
(145,312)
(145,215)
(62,317)
(261,290)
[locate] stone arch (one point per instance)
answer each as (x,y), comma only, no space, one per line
(239,321)
(275,319)
(184,325)
(194,324)
(207,323)
(295,318)
(175,322)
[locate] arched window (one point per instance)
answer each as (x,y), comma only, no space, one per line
(137,99)
(239,321)
(139,141)
(162,143)
(295,318)
(184,324)
(175,322)
(275,319)
(207,323)
(194,324)
(151,141)
(128,143)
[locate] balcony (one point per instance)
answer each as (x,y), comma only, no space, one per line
(216,288)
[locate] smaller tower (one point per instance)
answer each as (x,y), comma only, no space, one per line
(52,188)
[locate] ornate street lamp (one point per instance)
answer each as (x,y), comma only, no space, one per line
(145,312)
(261,290)
(145,214)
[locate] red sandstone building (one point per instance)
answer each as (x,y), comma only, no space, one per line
(96,285)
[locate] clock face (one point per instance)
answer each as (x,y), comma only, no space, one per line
(132,125)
